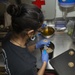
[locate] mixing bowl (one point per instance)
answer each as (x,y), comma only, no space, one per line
(47,31)
(49,49)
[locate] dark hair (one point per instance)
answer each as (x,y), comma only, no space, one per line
(25,16)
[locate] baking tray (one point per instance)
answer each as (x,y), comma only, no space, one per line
(64,64)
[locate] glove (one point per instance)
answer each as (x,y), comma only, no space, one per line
(42,43)
(45,56)
(43,25)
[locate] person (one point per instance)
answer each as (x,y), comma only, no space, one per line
(26,21)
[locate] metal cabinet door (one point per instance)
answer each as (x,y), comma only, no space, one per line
(49,8)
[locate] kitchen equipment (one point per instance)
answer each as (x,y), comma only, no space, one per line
(64,64)
(60,25)
(47,31)
(70,27)
(66,3)
(49,49)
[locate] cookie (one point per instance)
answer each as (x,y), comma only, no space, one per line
(49,50)
(45,40)
(71,52)
(71,64)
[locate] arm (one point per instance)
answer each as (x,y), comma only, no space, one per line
(42,70)
(45,61)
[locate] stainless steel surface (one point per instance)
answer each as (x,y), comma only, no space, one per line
(2,8)
(62,42)
(49,8)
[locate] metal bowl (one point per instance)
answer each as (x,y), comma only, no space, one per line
(47,31)
(51,47)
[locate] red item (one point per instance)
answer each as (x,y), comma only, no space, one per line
(39,3)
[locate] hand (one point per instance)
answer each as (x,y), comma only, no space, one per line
(45,56)
(43,25)
(42,43)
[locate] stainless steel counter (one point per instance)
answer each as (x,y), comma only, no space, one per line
(62,42)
